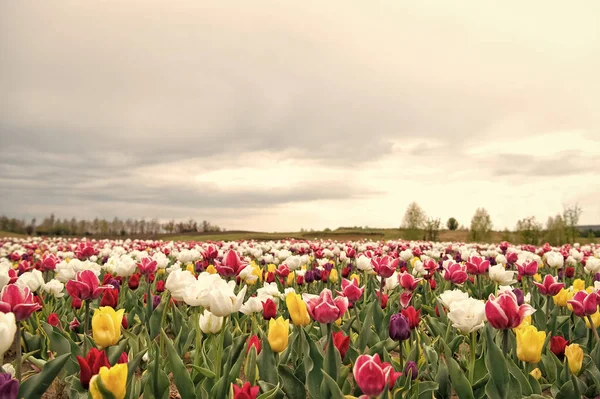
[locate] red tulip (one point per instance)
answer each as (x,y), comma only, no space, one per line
(383,299)
(134,281)
(76,303)
(124,323)
(412,315)
(231,265)
(270,277)
(123,358)
(86,286)
(91,365)
(528,268)
(549,286)
(160,286)
(325,275)
(147,266)
(254,341)
(351,290)
(85,250)
(247,391)
(385,266)
(18,300)
(110,298)
(477,265)
(300,280)
(74,325)
(49,262)
(512,257)
(53,320)
(430,265)
(584,304)
(371,375)
(269,309)
(341,342)
(569,272)
(503,312)
(455,273)
(324,308)
(283,271)
(408,282)
(558,345)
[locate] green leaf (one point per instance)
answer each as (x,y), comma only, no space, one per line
(365,332)
(132,367)
(332,361)
(443,380)
(270,394)
(156,319)
(313,361)
(34,387)
(460,383)
(250,368)
(520,376)
(498,385)
(266,363)
(182,378)
(204,371)
(334,390)
(114,352)
(292,386)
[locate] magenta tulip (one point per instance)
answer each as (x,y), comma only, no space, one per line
(503,312)
(324,308)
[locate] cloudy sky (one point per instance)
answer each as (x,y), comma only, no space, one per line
(277,115)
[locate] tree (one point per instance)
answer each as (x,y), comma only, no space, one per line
(452,224)
(481,225)
(571,215)
(530,230)
(414,220)
(432,229)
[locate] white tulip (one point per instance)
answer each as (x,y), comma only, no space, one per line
(209,323)
(224,302)
(502,276)
(8,329)
(177,282)
(449,297)
(10,369)
(65,272)
(32,280)
(247,274)
(364,263)
(252,305)
(55,288)
(467,315)
(391,282)
(419,269)
(592,265)
(554,259)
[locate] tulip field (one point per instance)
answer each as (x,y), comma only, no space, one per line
(295,319)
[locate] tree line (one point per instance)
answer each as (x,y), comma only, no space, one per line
(53,226)
(559,229)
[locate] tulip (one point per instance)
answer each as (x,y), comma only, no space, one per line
(501,276)
(106,326)
(8,330)
(324,308)
(53,320)
(536,373)
(578,285)
(411,367)
(134,281)
(575,355)
(278,334)
(385,266)
(412,315)
(86,286)
(405,299)
(529,268)
(19,301)
(562,298)
(269,309)
(456,273)
(558,345)
(110,298)
(503,312)
(91,365)
(584,304)
(147,266)
(109,381)
(408,282)
(247,391)
(351,290)
(530,342)
(178,281)
(74,325)
(477,265)
(467,315)
(49,262)
(231,265)
(297,309)
(333,276)
(371,375)
(341,342)
(9,387)
(254,342)
(209,323)
(550,286)
(399,327)
(160,286)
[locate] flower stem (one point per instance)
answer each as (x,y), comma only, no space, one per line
(473,355)
(87,317)
(18,359)
(198,336)
(400,356)
(593,327)
(505,341)
(218,364)
(357,316)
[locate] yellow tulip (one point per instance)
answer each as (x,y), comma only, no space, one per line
(536,373)
(334,276)
(355,277)
(291,278)
(525,323)
(108,382)
(537,278)
(297,309)
(160,271)
(258,272)
(575,355)
(278,334)
(578,285)
(190,268)
(595,318)
(271,268)
(562,297)
(106,326)
(529,344)
(338,322)
(211,269)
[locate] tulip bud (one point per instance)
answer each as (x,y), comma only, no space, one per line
(530,342)
(341,342)
(53,320)
(574,354)
(8,329)
(558,345)
(278,334)
(106,326)
(8,386)
(247,391)
(74,325)
(399,328)
(254,341)
(113,381)
(412,368)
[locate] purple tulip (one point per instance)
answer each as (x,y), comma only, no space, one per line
(155,301)
(412,367)
(9,387)
(520,297)
(399,327)
(596,277)
(309,276)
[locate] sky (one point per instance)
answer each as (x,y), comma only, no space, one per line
(281,115)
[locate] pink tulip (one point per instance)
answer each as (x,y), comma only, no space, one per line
(455,273)
(50,262)
(477,265)
(231,264)
(86,286)
(430,265)
(20,301)
(529,268)
(408,282)
(584,304)
(324,308)
(385,266)
(503,312)
(147,266)
(405,299)
(372,375)
(351,290)
(550,286)
(85,250)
